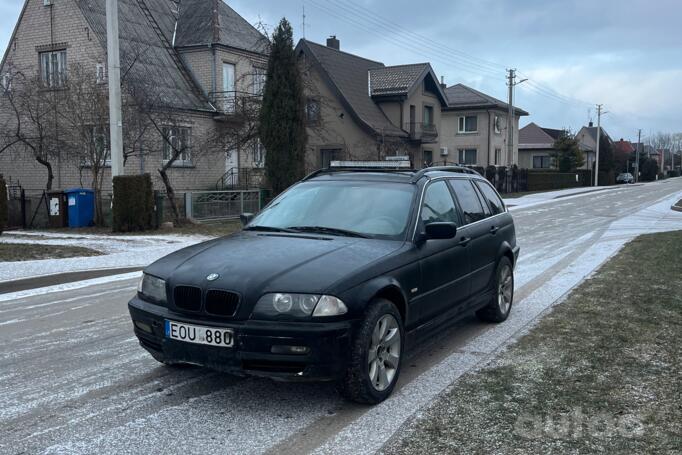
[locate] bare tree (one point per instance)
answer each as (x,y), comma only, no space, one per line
(30,120)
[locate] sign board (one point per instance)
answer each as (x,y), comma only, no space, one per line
(54,206)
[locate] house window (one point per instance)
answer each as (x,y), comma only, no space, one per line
(312,111)
(541,162)
(6,82)
(496,124)
(428,158)
(258,84)
(177,143)
(467,156)
(100,73)
(329,155)
(53,68)
(100,146)
(468,124)
(498,156)
(258,154)
(428,115)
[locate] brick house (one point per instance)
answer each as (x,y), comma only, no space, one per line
(198,58)
(361,109)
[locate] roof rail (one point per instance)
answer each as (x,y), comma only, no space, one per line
(331,170)
(461,169)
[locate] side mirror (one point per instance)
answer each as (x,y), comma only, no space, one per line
(245,218)
(440,230)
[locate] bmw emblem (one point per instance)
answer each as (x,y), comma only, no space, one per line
(212,277)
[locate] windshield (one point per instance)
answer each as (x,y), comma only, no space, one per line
(361,209)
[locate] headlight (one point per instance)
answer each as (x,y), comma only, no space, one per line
(152,288)
(276,305)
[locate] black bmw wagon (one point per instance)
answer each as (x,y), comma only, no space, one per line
(335,279)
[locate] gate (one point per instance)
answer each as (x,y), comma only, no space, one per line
(217,205)
(16,207)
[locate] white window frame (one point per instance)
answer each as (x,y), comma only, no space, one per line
(172,134)
(498,156)
(259,155)
(462,153)
(461,124)
(7,82)
(101,73)
(496,124)
(53,68)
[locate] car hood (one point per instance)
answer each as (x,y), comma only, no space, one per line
(252,263)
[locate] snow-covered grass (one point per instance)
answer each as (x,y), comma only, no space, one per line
(117,251)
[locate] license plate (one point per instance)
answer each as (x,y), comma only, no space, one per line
(199,334)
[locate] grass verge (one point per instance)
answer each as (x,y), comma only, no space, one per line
(601,373)
(12,252)
(216,229)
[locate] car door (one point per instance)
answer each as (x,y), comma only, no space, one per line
(444,263)
(476,231)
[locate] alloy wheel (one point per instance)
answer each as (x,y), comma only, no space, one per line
(505,289)
(384,352)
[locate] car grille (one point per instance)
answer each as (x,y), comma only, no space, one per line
(216,302)
(187,298)
(221,303)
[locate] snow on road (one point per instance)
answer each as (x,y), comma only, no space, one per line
(120,251)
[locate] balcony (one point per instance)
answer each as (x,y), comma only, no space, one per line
(236,106)
(422,132)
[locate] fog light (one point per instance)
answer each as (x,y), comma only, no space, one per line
(295,350)
(142,326)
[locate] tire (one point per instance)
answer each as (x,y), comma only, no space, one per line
(375,362)
(500,305)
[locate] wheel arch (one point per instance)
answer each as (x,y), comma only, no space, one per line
(387,288)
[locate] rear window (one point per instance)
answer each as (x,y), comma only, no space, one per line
(468,200)
(494,201)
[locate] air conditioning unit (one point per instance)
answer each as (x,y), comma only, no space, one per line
(443,151)
(47,2)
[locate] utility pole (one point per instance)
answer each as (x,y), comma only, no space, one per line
(114,76)
(639,141)
(596,160)
(511,83)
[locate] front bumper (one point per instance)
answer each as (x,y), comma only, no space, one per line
(328,343)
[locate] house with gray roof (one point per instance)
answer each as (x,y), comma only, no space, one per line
(361,109)
(195,59)
(474,128)
(536,146)
(587,141)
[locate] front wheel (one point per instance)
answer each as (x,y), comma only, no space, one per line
(376,355)
(500,305)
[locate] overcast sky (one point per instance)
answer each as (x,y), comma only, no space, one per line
(626,54)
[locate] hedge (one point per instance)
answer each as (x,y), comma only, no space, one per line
(538,181)
(133,206)
(3,205)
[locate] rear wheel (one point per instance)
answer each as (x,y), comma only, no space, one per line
(500,305)
(376,355)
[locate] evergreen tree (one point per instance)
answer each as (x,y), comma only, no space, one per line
(567,154)
(282,127)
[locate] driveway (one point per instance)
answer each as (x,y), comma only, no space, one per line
(74,380)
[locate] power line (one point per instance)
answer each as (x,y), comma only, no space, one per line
(479,66)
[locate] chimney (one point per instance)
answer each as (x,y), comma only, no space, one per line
(333,43)
(591,124)
(443,85)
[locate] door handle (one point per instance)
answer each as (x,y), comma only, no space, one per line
(494,229)
(464,241)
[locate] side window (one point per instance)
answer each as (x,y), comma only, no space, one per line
(438,204)
(468,200)
(494,201)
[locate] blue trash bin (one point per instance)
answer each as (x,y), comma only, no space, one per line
(81,203)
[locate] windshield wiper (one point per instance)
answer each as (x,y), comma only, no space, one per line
(328,230)
(259,227)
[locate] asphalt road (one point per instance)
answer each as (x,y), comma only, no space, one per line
(74,380)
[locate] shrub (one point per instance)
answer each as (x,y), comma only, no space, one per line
(3,204)
(133,208)
(649,169)
(538,181)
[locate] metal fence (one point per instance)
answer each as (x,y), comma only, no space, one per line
(216,205)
